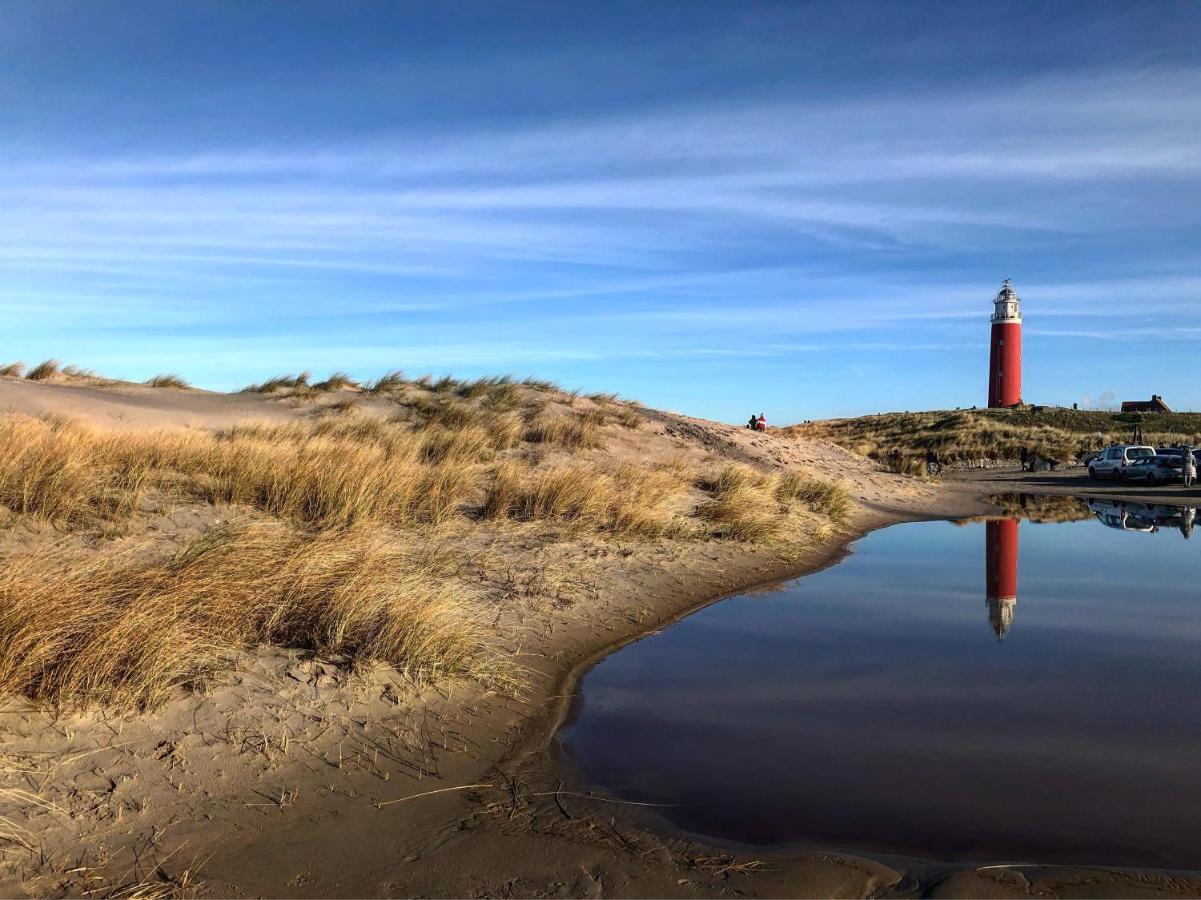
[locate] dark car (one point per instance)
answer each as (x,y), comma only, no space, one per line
(1165,466)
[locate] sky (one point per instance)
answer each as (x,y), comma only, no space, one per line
(716,208)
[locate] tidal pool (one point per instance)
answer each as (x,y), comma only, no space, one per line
(990,691)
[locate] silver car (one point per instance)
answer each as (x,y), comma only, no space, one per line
(1164,466)
(1110,462)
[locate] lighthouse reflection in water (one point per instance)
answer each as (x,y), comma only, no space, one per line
(1002,539)
(1001,565)
(864,707)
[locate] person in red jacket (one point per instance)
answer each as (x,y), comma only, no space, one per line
(761,423)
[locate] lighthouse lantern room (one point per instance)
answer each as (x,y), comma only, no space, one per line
(1005,356)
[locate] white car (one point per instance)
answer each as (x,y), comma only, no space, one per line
(1110,461)
(1122,516)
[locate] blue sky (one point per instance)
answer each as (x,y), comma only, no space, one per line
(803,210)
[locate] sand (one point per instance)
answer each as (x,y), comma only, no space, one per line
(290,776)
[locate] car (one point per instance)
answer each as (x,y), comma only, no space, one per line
(1110,462)
(1164,466)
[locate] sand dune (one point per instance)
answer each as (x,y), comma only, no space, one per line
(284,772)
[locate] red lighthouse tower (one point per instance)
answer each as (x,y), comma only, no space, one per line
(1005,356)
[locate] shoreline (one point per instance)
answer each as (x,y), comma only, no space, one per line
(801,866)
(565,694)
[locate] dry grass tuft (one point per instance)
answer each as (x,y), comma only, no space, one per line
(12,370)
(111,629)
(829,498)
(338,381)
(628,417)
(503,398)
(44,370)
(571,432)
(743,505)
(596,417)
(482,387)
(64,472)
(333,473)
(388,382)
(279,383)
(160,886)
(450,413)
(334,478)
(505,493)
(752,505)
(339,407)
(168,380)
(468,444)
(84,374)
(542,384)
(631,501)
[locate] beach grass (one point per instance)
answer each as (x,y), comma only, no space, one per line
(320,525)
(44,370)
(168,380)
(115,629)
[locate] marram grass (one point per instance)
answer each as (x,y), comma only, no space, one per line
(322,554)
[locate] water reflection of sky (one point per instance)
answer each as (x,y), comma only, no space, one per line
(872,706)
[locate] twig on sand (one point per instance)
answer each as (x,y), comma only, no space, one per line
(461,787)
(557,794)
(559,801)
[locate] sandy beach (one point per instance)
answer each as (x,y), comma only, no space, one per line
(293,775)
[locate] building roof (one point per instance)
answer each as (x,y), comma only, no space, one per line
(1155,404)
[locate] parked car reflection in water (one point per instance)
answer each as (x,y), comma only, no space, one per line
(1145,517)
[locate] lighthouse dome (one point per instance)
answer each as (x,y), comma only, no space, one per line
(1007,307)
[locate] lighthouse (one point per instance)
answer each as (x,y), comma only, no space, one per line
(1005,355)
(1001,575)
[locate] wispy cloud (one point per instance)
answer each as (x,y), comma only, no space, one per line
(769,224)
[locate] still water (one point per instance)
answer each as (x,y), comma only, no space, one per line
(1000,691)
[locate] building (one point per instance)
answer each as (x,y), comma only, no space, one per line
(1005,353)
(1001,575)
(1155,404)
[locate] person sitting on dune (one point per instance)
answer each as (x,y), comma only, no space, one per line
(761,423)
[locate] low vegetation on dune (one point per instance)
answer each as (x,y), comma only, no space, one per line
(111,628)
(575,432)
(750,504)
(328,517)
(279,383)
(337,381)
(972,436)
(44,370)
(630,501)
(168,380)
(55,371)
